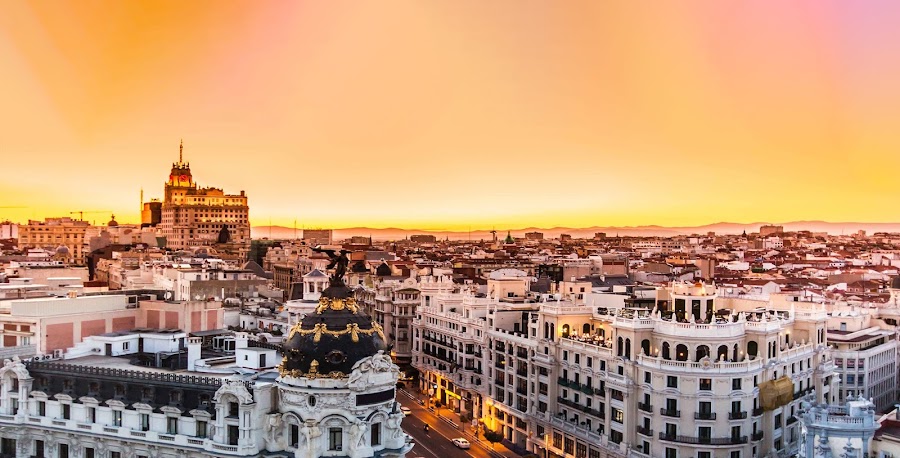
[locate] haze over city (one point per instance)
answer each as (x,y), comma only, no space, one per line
(450,115)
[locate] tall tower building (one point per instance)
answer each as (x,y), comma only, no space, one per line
(192,216)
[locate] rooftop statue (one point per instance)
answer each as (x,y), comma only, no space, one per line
(339,262)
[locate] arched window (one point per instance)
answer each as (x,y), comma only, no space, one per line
(681,352)
(645,346)
(722,354)
(702,352)
(565,330)
(628,348)
(621,342)
(665,351)
(734,356)
(752,349)
(586,328)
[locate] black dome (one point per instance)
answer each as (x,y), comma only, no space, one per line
(329,341)
(359,267)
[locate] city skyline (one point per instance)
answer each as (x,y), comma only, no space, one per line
(451,115)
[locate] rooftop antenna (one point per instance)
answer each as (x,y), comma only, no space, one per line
(180,150)
(295,229)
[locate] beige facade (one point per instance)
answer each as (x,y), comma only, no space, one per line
(53,233)
(193,216)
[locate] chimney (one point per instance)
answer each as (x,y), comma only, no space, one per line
(194,344)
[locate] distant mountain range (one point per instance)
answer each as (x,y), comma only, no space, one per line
(392,233)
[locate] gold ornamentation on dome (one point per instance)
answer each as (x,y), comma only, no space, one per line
(322,329)
(326,303)
(313,367)
(336,374)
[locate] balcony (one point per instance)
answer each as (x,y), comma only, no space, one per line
(790,421)
(617,395)
(757,436)
(645,431)
(757,411)
(737,415)
(736,440)
(670,413)
(646,407)
(705,416)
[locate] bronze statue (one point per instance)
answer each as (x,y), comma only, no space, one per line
(339,262)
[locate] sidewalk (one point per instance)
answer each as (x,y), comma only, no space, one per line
(451,419)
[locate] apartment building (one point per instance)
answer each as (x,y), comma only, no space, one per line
(63,236)
(693,375)
(864,349)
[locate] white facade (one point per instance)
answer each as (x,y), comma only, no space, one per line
(682,380)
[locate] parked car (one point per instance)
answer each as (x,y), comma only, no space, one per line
(461,443)
(405,410)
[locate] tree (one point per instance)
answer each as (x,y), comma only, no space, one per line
(493,437)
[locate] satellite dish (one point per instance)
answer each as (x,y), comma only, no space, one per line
(168,295)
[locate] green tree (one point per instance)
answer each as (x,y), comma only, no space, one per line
(493,437)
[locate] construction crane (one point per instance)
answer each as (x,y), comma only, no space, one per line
(82,212)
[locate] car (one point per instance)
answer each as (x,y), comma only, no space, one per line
(405,410)
(461,443)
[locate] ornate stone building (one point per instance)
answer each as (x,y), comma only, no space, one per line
(333,395)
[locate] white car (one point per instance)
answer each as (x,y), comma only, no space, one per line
(405,410)
(461,443)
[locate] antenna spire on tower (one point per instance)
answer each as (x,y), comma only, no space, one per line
(180,150)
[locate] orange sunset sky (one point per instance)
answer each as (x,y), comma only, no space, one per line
(451,114)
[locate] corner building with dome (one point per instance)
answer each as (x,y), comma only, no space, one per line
(332,395)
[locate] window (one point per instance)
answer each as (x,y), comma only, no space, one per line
(112,455)
(201,429)
(335,437)
(705,432)
(615,436)
(672,381)
(376,434)
(145,422)
(705,409)
(569,446)
(233,409)
(172,425)
(646,377)
(91,416)
(617,415)
(295,435)
(557,440)
(88,452)
(124,345)
(117,418)
(704,455)
(735,384)
(736,454)
(66,411)
(671,453)
(705,384)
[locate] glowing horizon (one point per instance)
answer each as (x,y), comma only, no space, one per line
(450,115)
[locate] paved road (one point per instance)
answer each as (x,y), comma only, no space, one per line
(436,443)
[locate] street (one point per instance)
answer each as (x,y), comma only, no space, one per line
(436,443)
